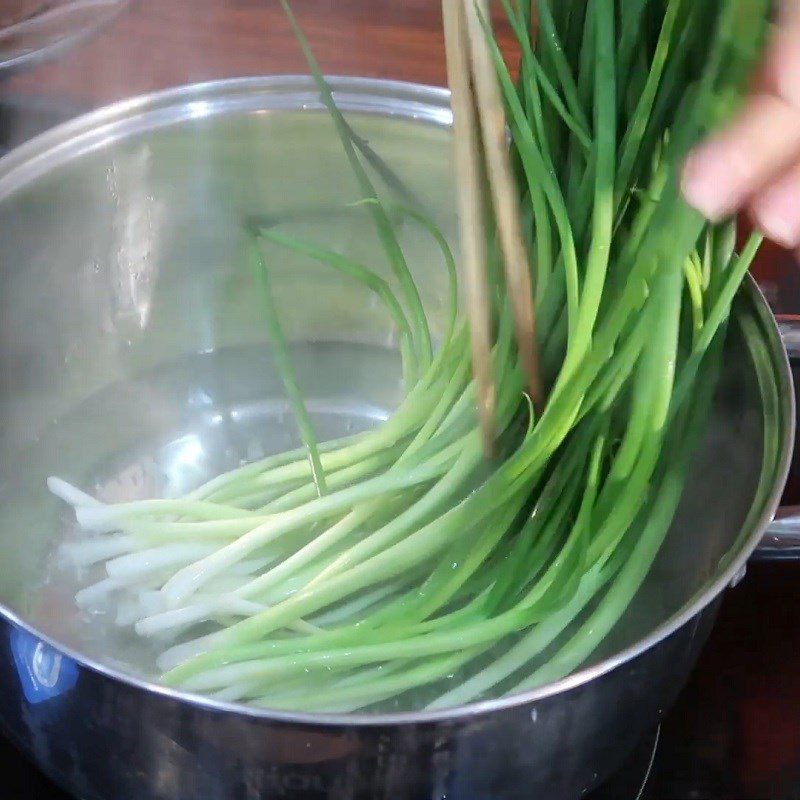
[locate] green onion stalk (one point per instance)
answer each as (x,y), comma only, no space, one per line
(398,568)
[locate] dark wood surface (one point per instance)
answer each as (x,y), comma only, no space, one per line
(154,44)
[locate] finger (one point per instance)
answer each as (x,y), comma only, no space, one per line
(776,210)
(781,72)
(729,168)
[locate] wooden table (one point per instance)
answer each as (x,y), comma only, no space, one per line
(154,44)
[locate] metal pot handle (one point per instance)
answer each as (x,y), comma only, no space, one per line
(781,540)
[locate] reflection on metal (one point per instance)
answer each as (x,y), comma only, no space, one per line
(46,665)
(137,222)
(632,780)
(23,116)
(782,539)
(789,326)
(44,672)
(781,542)
(652,761)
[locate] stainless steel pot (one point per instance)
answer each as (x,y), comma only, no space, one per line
(133,361)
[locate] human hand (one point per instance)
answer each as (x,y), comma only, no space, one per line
(755,162)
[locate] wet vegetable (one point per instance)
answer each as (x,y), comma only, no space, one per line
(397,567)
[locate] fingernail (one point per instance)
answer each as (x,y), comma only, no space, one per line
(703,187)
(777,213)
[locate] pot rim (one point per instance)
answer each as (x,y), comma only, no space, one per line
(418,102)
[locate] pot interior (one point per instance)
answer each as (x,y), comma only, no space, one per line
(133,354)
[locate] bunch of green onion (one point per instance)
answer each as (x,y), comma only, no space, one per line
(369,571)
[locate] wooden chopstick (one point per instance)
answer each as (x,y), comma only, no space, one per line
(479,125)
(472,211)
(506,204)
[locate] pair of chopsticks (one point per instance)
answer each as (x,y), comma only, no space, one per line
(482,157)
